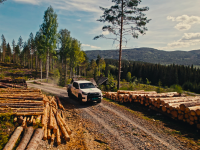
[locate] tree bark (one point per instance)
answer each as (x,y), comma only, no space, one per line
(35,141)
(26,138)
(120,47)
(189,104)
(11,143)
(41,69)
(47,66)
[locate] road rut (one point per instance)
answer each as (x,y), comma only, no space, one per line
(119,128)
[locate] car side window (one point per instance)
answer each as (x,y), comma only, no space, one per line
(74,84)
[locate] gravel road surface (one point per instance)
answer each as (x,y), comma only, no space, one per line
(115,127)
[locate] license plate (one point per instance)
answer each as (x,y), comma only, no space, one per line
(95,98)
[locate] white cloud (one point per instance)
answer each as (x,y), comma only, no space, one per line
(188,39)
(33,2)
(105,32)
(182,26)
(170,18)
(91,46)
(185,21)
(79,20)
(71,5)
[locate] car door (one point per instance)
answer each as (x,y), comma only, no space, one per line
(76,89)
(73,88)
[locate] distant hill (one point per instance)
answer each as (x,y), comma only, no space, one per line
(150,55)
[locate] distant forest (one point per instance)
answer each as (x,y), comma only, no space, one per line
(150,55)
(186,76)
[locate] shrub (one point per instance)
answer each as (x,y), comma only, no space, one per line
(177,88)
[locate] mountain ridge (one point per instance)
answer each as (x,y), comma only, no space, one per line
(150,55)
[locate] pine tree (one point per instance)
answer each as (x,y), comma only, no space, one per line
(14,53)
(3,47)
(31,45)
(126,19)
(8,53)
(20,44)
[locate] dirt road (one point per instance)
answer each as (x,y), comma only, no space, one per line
(109,126)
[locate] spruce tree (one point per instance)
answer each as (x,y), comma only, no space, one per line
(49,31)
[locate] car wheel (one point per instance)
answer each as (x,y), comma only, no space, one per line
(99,101)
(69,93)
(80,98)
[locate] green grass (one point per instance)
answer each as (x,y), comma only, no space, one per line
(6,128)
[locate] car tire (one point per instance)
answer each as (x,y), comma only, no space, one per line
(99,101)
(80,99)
(69,93)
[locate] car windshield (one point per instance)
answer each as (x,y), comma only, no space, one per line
(86,85)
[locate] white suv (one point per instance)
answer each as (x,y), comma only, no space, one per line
(85,91)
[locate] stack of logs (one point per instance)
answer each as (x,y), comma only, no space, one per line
(33,109)
(181,107)
(12,83)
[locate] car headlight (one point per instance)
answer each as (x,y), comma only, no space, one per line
(84,93)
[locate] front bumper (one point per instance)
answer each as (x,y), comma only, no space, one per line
(92,97)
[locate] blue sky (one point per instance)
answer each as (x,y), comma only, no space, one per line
(175,24)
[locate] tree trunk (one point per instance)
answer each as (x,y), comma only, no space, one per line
(47,66)
(13,139)
(41,69)
(36,63)
(65,72)
(31,60)
(27,136)
(120,47)
(35,141)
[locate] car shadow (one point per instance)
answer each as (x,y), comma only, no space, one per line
(75,102)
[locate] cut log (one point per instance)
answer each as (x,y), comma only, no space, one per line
(48,133)
(20,119)
(60,104)
(189,104)
(58,137)
(35,141)
(11,143)
(52,137)
(51,119)
(26,137)
(65,134)
(27,113)
(63,122)
(55,127)
(195,108)
(31,120)
(24,124)
(178,99)
(34,122)
(15,119)
(174,113)
(45,132)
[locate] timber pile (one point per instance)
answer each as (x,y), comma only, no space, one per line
(31,108)
(174,104)
(21,102)
(12,83)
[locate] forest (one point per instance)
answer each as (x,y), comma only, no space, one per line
(155,74)
(47,51)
